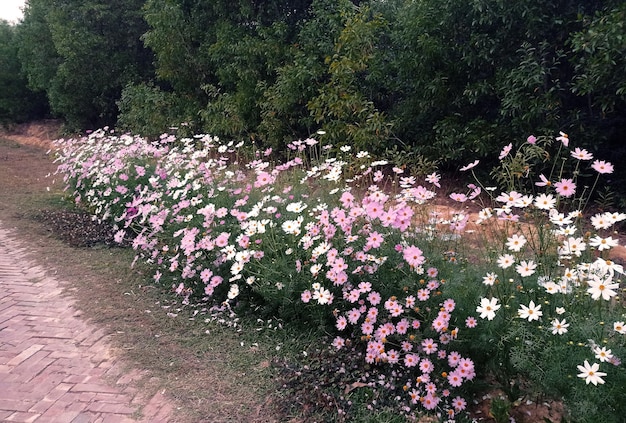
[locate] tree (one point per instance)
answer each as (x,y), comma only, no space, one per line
(90,51)
(17,102)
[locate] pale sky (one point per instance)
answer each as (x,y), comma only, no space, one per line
(10,10)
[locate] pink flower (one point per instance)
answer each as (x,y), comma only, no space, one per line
(601,166)
(581,154)
(471,322)
(373,210)
(262,179)
(413,256)
(411,360)
(306,296)
(374,298)
(544,181)
(454,358)
(426,366)
(531,139)
(563,138)
(449,305)
(342,322)
(469,166)
(339,342)
(459,404)
(461,198)
(222,240)
(565,187)
(455,379)
(423,294)
(374,240)
(429,346)
(430,402)
(505,151)
(434,179)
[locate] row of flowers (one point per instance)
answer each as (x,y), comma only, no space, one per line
(368,256)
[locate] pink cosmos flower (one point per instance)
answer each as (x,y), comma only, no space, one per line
(373,210)
(413,256)
(563,138)
(455,379)
(374,298)
(565,187)
(458,197)
(429,346)
(423,294)
(434,179)
(426,366)
(459,404)
(411,360)
(374,240)
(393,356)
(471,322)
(544,181)
(449,305)
(581,154)
(531,139)
(601,166)
(505,151)
(454,358)
(222,240)
(430,402)
(339,342)
(469,166)
(402,326)
(342,322)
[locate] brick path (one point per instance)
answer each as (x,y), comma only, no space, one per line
(54,366)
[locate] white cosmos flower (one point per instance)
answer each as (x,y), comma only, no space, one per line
(516,242)
(573,246)
(545,201)
(591,373)
(506,260)
(602,220)
(296,207)
(603,243)
(291,227)
(526,268)
(598,287)
(532,312)
(603,354)
(488,308)
(559,327)
(605,266)
(490,279)
(619,327)
(233,292)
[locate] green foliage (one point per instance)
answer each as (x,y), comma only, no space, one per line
(17,102)
(600,50)
(345,114)
(91,50)
(148,110)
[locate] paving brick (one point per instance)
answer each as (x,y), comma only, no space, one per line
(19,416)
(54,366)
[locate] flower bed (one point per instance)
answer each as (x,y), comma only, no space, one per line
(434,303)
